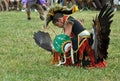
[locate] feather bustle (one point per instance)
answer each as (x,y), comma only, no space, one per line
(101,26)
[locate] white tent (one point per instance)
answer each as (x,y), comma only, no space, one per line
(117,2)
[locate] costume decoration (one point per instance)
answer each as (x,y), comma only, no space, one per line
(60,41)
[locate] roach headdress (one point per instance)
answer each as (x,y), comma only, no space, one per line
(59,9)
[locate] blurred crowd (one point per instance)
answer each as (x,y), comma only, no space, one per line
(20,5)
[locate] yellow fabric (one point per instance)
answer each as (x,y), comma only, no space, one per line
(51,13)
(75,9)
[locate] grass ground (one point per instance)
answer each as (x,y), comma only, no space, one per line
(22,60)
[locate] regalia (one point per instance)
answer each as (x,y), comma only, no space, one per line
(88,51)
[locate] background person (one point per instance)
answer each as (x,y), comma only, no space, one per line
(33,4)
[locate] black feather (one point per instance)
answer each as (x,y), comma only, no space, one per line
(102,25)
(43,40)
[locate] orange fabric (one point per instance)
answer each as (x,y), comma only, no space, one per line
(56,58)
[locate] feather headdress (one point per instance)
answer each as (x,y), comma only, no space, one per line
(59,9)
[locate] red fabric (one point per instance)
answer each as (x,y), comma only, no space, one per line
(56,58)
(68,61)
(65,18)
(101,64)
(84,46)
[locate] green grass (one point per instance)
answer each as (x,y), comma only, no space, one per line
(22,60)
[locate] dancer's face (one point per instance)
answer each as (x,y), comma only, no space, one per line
(59,23)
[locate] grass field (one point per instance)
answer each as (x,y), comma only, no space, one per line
(22,60)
